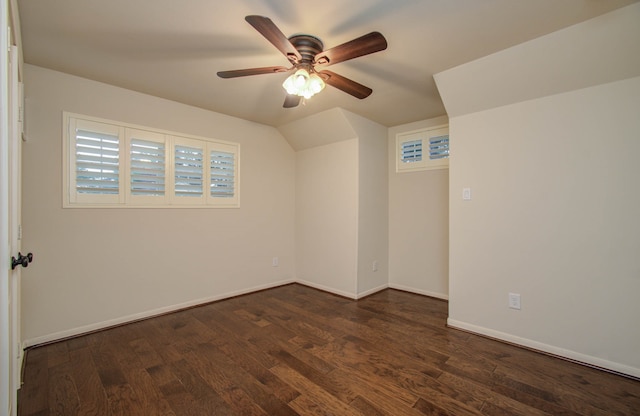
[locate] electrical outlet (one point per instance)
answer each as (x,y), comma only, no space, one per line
(374,266)
(274,262)
(514,301)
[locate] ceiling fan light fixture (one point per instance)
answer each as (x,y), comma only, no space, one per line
(316,84)
(303,84)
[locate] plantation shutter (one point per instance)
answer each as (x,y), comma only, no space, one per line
(423,149)
(113,165)
(147,167)
(189,171)
(222,174)
(411,151)
(439,147)
(97,162)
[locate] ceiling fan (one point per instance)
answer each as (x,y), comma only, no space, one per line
(306,54)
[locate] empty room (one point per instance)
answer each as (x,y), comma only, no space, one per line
(278,207)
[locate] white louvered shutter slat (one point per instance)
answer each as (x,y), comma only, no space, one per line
(411,151)
(147,167)
(97,167)
(222,174)
(189,171)
(439,147)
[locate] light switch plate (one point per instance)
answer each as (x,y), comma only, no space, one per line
(466,194)
(514,301)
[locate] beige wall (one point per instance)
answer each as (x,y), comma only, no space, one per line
(418,223)
(327,217)
(554,209)
(554,217)
(373,213)
(341,204)
(100,266)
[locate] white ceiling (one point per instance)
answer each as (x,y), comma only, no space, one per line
(173,49)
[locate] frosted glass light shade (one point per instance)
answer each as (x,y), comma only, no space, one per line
(303,84)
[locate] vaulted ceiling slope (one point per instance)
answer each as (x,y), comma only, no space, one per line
(584,55)
(173,49)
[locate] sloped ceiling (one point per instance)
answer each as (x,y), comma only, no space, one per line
(173,49)
(584,55)
(326,127)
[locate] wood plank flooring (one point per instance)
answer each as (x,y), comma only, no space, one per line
(294,350)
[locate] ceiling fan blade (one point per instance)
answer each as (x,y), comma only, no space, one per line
(252,71)
(291,101)
(345,84)
(270,31)
(364,45)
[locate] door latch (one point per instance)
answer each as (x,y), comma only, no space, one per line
(21,260)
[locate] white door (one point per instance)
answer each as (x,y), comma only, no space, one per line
(10,155)
(6,398)
(15,211)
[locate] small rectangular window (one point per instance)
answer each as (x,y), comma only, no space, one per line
(439,147)
(110,164)
(422,149)
(411,151)
(223,174)
(147,168)
(93,163)
(189,171)
(222,165)
(97,163)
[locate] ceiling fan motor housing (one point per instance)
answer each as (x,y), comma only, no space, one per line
(308,46)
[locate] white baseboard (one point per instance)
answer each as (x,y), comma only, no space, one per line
(354,296)
(419,291)
(550,349)
(328,289)
(372,291)
(144,315)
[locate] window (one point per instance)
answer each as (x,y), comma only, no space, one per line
(423,150)
(411,151)
(188,168)
(147,167)
(94,171)
(223,166)
(111,164)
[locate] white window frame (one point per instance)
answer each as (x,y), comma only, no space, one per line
(424,135)
(125,199)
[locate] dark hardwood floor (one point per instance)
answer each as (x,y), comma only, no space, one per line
(293,350)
